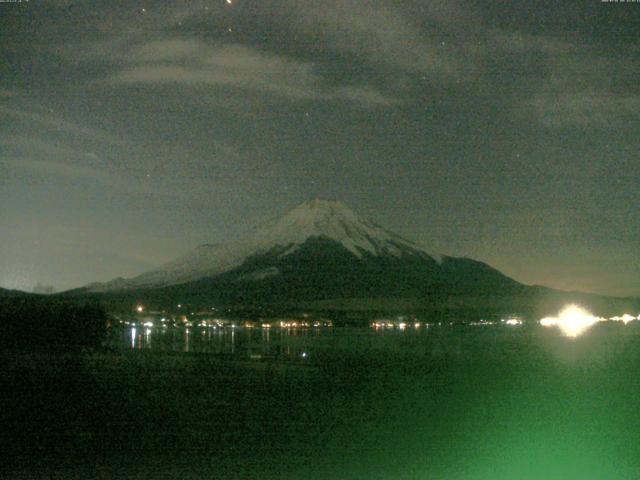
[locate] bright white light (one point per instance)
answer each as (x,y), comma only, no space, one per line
(513,321)
(572,321)
(140,308)
(148,324)
(626,318)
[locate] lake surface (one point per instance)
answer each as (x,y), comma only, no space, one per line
(311,344)
(448,401)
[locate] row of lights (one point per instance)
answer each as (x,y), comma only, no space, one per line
(378,324)
(572,321)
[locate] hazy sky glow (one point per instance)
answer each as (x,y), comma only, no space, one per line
(131,131)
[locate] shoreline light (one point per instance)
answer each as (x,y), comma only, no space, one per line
(626,318)
(572,321)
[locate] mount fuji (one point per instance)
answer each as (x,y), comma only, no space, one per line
(319,250)
(321,256)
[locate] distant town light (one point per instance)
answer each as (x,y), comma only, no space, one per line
(626,318)
(140,309)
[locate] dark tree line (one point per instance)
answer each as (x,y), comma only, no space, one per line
(49,324)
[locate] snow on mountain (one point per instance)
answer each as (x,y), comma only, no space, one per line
(335,221)
(317,218)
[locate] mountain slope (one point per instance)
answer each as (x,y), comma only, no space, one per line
(323,268)
(4,293)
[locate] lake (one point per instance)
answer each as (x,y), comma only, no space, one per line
(411,340)
(448,401)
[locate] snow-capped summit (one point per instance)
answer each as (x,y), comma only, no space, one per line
(335,221)
(330,220)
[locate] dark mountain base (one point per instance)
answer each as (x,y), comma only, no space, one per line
(324,277)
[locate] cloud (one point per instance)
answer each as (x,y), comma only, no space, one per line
(587,108)
(573,85)
(387,35)
(520,42)
(195,63)
(53,122)
(43,148)
(582,89)
(372,53)
(49,169)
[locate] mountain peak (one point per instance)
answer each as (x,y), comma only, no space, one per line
(321,205)
(329,220)
(318,211)
(335,221)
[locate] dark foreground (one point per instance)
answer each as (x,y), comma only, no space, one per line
(488,403)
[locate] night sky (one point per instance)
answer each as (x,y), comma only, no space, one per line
(132,131)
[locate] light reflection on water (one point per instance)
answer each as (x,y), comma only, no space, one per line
(256,342)
(315,344)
